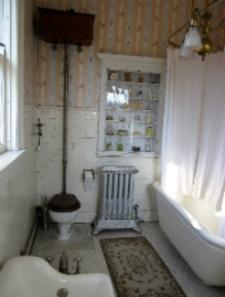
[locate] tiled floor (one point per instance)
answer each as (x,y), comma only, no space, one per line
(86,246)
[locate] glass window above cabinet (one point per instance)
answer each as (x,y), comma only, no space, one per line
(130,110)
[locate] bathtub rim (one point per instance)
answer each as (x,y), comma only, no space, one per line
(22,261)
(203,233)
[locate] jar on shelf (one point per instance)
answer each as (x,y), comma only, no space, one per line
(109,118)
(148,147)
(140,77)
(119,147)
(127,76)
(148,118)
(137,117)
(108,146)
(149,132)
(114,76)
(110,131)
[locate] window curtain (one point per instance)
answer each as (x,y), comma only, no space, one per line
(193,144)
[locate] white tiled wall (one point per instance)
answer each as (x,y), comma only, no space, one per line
(82,144)
(17,197)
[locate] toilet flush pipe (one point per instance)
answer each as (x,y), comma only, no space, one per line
(65,104)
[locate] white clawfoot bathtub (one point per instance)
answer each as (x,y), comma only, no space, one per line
(193,233)
(29,276)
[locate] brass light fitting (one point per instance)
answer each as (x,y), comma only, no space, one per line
(200,20)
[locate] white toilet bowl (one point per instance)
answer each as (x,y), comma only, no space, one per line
(64,221)
(63,210)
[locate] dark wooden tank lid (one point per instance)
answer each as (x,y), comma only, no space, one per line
(64,203)
(57,26)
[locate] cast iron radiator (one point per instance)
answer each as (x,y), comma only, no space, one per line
(116,208)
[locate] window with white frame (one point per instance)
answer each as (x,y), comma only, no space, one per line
(3,125)
(11,74)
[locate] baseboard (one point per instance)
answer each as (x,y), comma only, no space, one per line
(28,246)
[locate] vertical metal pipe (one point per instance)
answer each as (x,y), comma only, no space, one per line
(65,100)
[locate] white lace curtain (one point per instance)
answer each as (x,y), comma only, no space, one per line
(193,146)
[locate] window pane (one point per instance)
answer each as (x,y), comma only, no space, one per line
(2,101)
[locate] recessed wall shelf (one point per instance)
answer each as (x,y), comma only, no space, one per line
(131,100)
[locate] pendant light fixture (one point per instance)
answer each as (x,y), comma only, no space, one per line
(192,38)
(196,38)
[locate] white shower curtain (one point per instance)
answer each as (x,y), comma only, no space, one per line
(193,145)
(209,183)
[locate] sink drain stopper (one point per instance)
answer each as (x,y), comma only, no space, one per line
(62,292)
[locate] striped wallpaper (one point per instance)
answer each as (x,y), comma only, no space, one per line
(130,27)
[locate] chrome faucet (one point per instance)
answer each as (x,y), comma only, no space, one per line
(77,260)
(64,263)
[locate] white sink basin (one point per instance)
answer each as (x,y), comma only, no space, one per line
(29,276)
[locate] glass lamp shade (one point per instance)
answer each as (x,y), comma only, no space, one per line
(193,39)
(186,52)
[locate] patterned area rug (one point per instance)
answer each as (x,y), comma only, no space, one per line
(137,270)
